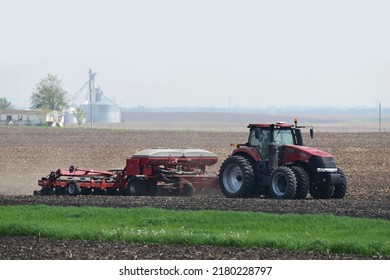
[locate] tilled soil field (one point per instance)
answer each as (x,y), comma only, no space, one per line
(30,153)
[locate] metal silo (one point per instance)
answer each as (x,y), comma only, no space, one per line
(105,110)
(102,109)
(69,117)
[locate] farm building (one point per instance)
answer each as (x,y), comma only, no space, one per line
(103,109)
(31,117)
(97,107)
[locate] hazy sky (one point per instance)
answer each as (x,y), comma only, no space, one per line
(201,53)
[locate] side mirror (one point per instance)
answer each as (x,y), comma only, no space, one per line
(257,133)
(311,133)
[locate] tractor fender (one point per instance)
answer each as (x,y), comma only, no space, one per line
(246,152)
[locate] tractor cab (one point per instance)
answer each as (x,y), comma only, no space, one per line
(279,134)
(261,135)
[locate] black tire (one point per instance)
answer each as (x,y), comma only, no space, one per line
(236,177)
(112,191)
(341,189)
(99,191)
(257,191)
(73,188)
(283,183)
(188,189)
(86,191)
(303,182)
(171,192)
(60,191)
(321,193)
(152,189)
(47,191)
(135,187)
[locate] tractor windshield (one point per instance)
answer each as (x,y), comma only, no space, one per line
(283,137)
(262,137)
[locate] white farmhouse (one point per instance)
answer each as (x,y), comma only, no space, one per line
(31,117)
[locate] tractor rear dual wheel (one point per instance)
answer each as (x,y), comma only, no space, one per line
(236,177)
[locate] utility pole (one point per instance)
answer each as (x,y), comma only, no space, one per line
(90,96)
(380,117)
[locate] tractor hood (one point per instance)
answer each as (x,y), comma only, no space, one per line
(293,153)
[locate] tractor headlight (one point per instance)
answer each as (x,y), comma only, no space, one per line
(327,170)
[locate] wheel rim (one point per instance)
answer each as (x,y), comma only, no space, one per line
(233,178)
(279,184)
(71,189)
(136,187)
(133,189)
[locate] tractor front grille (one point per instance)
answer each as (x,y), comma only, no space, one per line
(321,162)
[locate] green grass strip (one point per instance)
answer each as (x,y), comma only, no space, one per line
(320,233)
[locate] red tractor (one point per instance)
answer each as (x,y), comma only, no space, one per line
(275,163)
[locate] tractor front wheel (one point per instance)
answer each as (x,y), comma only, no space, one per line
(341,189)
(283,183)
(236,177)
(321,192)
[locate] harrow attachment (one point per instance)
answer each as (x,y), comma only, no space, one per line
(148,172)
